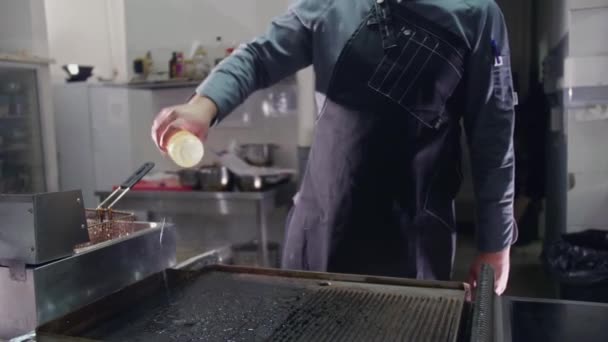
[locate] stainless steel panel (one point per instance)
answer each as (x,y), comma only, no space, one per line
(16,241)
(60,287)
(17,304)
(39,228)
(102,269)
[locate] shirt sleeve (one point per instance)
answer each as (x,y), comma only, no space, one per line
(489,125)
(285,48)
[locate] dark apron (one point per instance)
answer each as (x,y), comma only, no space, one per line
(377,195)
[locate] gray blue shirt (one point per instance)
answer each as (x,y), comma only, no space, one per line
(313,32)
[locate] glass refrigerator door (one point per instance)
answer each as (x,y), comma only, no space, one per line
(21,151)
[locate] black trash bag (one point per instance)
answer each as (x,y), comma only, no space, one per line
(580,258)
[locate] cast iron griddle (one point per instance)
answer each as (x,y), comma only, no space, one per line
(227,304)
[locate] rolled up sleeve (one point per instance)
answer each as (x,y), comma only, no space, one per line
(284,49)
(489,124)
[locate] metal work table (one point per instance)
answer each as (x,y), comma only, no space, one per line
(204,204)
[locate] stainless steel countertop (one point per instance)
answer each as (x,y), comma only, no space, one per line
(204,203)
(281,192)
(210,220)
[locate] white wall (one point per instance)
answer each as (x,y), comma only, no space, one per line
(22,27)
(165,26)
(588,28)
(110,34)
(87,32)
(15,28)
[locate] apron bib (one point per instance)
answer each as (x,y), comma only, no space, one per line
(384,168)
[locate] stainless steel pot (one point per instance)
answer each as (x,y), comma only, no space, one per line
(189,178)
(258,154)
(260,183)
(215,178)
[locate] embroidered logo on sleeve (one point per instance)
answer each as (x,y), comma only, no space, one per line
(502,80)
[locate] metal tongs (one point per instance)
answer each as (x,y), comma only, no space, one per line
(124,188)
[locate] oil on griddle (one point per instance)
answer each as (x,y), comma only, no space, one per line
(229,307)
(213,307)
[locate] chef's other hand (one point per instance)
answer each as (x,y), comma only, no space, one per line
(500,262)
(195,116)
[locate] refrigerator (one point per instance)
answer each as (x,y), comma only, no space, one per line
(28,158)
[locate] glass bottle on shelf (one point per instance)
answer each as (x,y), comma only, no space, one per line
(219,50)
(179,65)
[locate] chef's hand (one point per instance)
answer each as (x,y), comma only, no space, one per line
(195,116)
(500,262)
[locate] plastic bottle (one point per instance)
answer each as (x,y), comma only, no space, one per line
(185,149)
(148,64)
(201,65)
(172,65)
(179,65)
(219,50)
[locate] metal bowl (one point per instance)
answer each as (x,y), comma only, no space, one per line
(189,178)
(260,183)
(215,178)
(258,154)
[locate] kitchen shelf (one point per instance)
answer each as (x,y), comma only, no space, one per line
(13,117)
(14,148)
(27,59)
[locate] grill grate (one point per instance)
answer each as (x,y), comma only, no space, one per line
(359,315)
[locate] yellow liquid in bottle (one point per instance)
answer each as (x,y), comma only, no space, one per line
(185,149)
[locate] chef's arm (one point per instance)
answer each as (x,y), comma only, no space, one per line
(489,125)
(284,49)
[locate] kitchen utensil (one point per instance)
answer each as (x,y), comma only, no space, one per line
(126,186)
(106,224)
(162,181)
(238,166)
(258,154)
(189,178)
(78,73)
(260,183)
(215,178)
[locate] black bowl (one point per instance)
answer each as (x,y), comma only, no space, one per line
(83,74)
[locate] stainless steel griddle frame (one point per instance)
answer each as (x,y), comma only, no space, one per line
(52,290)
(86,317)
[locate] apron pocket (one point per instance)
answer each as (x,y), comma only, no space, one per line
(419,74)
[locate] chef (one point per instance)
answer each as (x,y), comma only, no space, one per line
(394,80)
